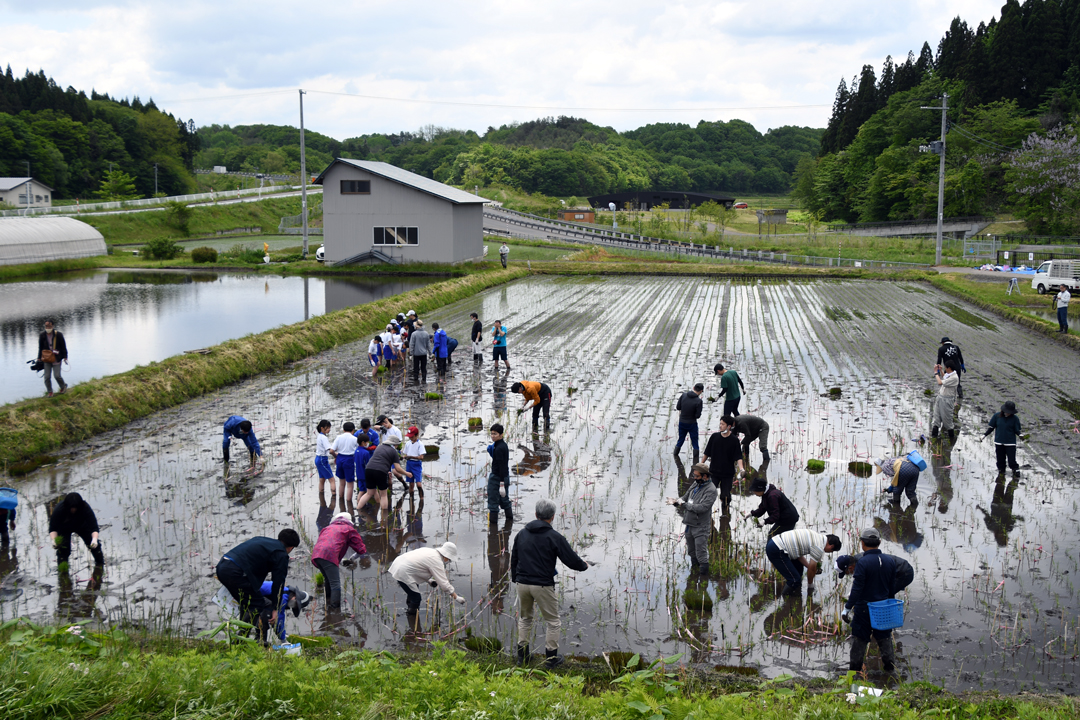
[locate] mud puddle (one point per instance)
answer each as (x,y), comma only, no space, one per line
(993,603)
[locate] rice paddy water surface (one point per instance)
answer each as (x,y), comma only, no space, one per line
(994,602)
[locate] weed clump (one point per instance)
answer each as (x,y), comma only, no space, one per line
(483,645)
(432,396)
(815,466)
(476,423)
(26,467)
(860,469)
(163,249)
(204,255)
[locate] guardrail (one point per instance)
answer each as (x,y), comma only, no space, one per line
(850,227)
(602,236)
(141,202)
(282,178)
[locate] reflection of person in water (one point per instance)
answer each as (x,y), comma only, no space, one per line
(941,466)
(1000,520)
(498,556)
(70,605)
(499,388)
(901,527)
(537,459)
(9,566)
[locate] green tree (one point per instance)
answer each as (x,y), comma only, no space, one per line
(117,185)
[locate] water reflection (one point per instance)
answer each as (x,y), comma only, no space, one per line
(115,320)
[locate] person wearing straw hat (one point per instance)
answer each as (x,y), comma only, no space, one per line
(334,541)
(1006,428)
(420,566)
(873,581)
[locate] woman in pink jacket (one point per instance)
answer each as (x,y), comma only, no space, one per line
(334,541)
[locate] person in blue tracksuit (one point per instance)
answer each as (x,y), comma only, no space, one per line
(291,599)
(237,427)
(442,348)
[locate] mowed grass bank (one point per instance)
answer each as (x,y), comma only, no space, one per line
(37,426)
(50,676)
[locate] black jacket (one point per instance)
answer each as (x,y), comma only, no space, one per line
(873,578)
(82,523)
(500,459)
(532,561)
(777,508)
(262,556)
(477,331)
(61,346)
(949,354)
(689,407)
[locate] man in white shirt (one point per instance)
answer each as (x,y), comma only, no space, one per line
(948,380)
(794,550)
(1061,302)
(420,566)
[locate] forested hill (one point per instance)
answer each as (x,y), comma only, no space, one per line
(71,140)
(555,156)
(1014,97)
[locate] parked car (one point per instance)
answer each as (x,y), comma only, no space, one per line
(320,254)
(740,206)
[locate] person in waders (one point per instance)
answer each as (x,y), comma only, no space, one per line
(732,386)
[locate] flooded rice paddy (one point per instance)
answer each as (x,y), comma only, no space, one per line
(994,602)
(114,320)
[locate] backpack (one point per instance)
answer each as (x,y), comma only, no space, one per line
(904,575)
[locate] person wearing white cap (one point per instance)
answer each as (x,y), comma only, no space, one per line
(423,565)
(334,541)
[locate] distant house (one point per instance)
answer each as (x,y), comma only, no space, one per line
(374,211)
(576,214)
(13,192)
(648,199)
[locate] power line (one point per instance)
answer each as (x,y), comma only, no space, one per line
(982,141)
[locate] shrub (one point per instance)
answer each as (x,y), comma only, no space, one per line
(163,249)
(178,215)
(204,255)
(241,253)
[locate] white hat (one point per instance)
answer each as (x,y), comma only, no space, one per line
(343,516)
(448,551)
(411,312)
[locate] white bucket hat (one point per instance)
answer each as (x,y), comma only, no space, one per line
(449,551)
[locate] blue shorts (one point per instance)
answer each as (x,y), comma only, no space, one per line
(373,359)
(346,468)
(322,464)
(417,469)
(498,351)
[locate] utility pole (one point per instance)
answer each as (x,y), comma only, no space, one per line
(939,148)
(303,178)
(29,187)
(155,180)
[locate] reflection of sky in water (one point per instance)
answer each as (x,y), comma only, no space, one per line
(113,321)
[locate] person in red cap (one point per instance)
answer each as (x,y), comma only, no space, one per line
(413,452)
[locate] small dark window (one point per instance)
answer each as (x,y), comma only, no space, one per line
(355,187)
(395,236)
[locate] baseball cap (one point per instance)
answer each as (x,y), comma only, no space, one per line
(448,551)
(870,533)
(843,563)
(378,420)
(411,312)
(413,430)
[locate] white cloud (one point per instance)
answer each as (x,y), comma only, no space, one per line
(745,56)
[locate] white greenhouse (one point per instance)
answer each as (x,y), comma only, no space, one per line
(29,240)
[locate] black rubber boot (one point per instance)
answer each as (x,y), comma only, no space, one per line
(952,436)
(509,516)
(523,654)
(888,654)
(552,658)
(493,518)
(934,432)
(765,455)
(858,653)
(696,457)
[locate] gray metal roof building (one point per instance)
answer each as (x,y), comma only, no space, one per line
(37,239)
(374,211)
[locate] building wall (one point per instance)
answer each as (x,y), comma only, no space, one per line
(348,220)
(468,232)
(16,196)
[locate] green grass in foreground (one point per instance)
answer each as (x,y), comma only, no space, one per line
(51,672)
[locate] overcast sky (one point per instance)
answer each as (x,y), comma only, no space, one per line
(623,64)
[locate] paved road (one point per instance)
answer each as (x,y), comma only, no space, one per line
(230,201)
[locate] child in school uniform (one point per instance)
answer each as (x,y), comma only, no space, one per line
(365,427)
(413,452)
(322,455)
(343,451)
(374,354)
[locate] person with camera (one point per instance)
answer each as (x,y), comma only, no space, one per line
(52,351)
(948,380)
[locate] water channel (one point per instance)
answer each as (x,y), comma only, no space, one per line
(114,320)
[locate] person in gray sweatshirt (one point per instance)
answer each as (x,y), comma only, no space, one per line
(420,348)
(689,407)
(695,507)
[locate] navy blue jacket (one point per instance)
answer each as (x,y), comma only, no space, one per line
(1006,429)
(873,578)
(532,561)
(500,459)
(232,430)
(262,556)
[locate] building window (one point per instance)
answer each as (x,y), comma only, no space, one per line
(37,198)
(579,216)
(46,198)
(355,187)
(396,236)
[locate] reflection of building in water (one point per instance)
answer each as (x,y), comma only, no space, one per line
(342,294)
(1000,520)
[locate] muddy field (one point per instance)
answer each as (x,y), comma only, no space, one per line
(993,603)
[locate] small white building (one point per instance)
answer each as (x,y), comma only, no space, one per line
(13,192)
(374,211)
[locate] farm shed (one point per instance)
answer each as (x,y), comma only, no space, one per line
(36,239)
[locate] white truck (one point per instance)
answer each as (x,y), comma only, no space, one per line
(1056,272)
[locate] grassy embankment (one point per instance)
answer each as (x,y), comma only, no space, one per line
(54,673)
(38,426)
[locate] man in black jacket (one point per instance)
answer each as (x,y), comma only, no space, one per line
(243,569)
(874,576)
(949,353)
(532,569)
(498,487)
(52,350)
(689,407)
(778,510)
(752,428)
(73,516)
(477,337)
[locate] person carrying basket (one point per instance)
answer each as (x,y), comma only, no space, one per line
(878,577)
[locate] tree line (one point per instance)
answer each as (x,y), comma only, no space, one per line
(72,142)
(1014,102)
